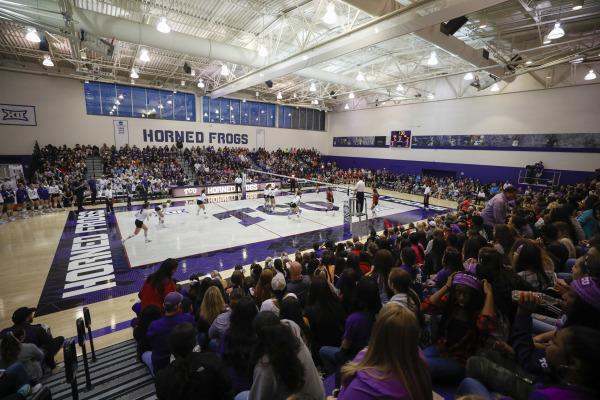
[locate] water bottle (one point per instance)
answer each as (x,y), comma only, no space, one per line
(545,300)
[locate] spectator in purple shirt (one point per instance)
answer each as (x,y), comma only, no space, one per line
(391,366)
(496,210)
(159,330)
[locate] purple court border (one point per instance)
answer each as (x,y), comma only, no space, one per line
(129,280)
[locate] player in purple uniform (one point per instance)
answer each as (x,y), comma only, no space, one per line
(9,201)
(22,200)
(44,195)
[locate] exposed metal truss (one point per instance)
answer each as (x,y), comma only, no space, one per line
(285,28)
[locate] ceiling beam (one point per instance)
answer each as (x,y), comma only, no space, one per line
(389,26)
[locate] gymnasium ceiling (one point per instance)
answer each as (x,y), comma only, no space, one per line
(389,42)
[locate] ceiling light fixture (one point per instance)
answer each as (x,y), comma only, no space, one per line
(578,60)
(200,83)
(400,88)
(577,5)
(144,55)
(495,87)
(182,83)
(360,77)
(224,70)
(32,35)
(469,76)
(528,62)
(47,61)
(346,107)
(133,74)
(279,96)
(557,32)
(163,26)
(433,60)
(133,81)
(330,17)
(430,96)
(351,95)
(546,40)
(120,97)
(262,51)
(590,76)
(193,72)
(313,87)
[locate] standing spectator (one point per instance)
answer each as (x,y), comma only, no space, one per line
(159,330)
(159,284)
(93,185)
(496,210)
(79,191)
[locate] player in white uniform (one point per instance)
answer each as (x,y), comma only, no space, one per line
(54,192)
(140,217)
(267,197)
(109,198)
(200,201)
(160,212)
(274,192)
(295,205)
(34,198)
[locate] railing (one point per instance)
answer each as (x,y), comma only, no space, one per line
(70,353)
(548,178)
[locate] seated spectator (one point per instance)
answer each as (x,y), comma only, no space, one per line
(589,219)
(391,366)
(212,306)
(30,356)
(262,291)
(238,343)
(150,314)
(451,263)
(399,282)
(278,287)
(220,324)
(292,311)
(159,284)
(529,264)
(159,330)
(365,306)
(298,283)
(556,250)
(467,313)
(192,375)
(383,261)
(36,334)
(283,365)
(15,383)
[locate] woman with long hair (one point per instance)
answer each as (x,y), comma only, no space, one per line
(325,316)
(159,284)
(383,262)
(391,366)
(504,239)
(238,343)
(282,363)
(262,291)
(451,263)
(528,262)
(213,304)
(292,310)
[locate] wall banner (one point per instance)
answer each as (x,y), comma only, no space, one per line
(13,114)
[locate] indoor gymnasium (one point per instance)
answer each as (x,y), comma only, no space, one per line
(299,199)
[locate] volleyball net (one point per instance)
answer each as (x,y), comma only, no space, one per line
(287,182)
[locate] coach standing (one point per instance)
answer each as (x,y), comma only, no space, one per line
(93,189)
(496,210)
(360,195)
(238,183)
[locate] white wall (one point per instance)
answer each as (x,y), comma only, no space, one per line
(568,110)
(62,119)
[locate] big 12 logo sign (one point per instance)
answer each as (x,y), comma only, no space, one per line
(190,191)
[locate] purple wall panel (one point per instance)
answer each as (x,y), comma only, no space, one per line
(485,173)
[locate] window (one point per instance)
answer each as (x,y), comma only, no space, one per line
(238,112)
(301,118)
(133,101)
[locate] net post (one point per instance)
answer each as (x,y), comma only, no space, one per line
(244,177)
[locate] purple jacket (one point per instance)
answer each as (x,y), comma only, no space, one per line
(157,334)
(495,211)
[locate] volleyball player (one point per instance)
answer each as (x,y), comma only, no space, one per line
(329,196)
(272,195)
(9,201)
(200,201)
(140,217)
(267,197)
(54,192)
(109,199)
(375,201)
(160,213)
(34,198)
(44,196)
(295,205)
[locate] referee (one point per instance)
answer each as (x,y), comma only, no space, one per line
(360,195)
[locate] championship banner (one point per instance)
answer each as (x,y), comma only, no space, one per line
(12,114)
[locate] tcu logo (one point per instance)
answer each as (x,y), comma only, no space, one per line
(18,115)
(189,191)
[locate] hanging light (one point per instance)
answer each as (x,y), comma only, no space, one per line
(117,103)
(433,60)
(133,74)
(120,97)
(144,55)
(47,61)
(169,102)
(193,72)
(351,95)
(133,81)
(590,76)
(546,40)
(224,70)
(528,62)
(294,95)
(430,96)
(360,77)
(32,35)
(577,5)
(200,83)
(313,87)
(330,17)
(262,51)
(469,76)
(160,106)
(346,107)
(557,32)
(182,83)
(495,87)
(279,96)
(163,26)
